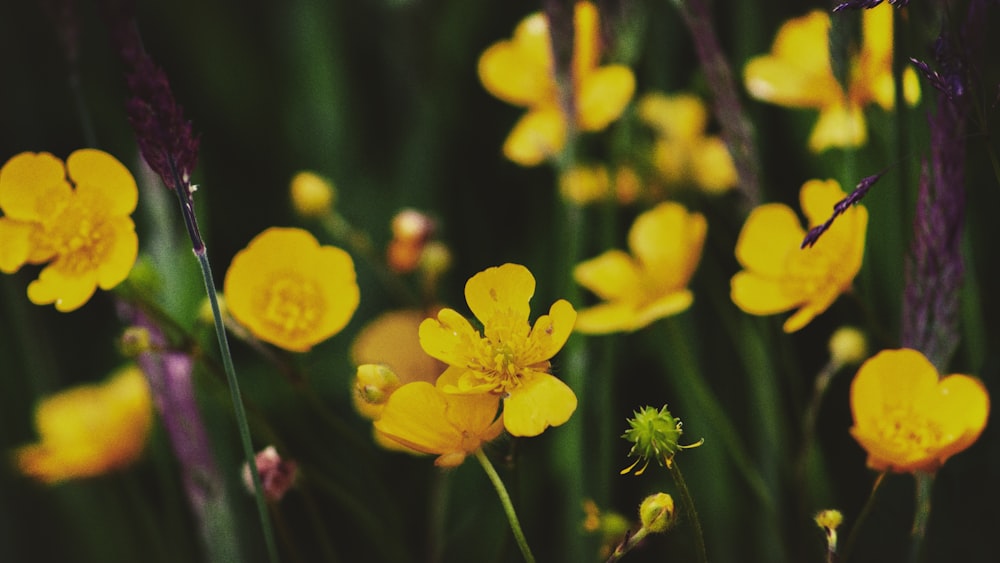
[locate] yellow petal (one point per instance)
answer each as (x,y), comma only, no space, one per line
(602,96)
(666,306)
(667,241)
(14,244)
(817,198)
(961,406)
(760,295)
(449,338)
(62,284)
(768,234)
(612,275)
(33,186)
(586,37)
(606,318)
(890,377)
(120,253)
(550,332)
(679,117)
(90,429)
(100,178)
(539,134)
(423,418)
(541,401)
(519,71)
(712,166)
(500,290)
(838,126)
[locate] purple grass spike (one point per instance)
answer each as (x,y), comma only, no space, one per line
(840,207)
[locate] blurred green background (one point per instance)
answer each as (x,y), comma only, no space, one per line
(382,96)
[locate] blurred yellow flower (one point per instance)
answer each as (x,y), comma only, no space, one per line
(426,419)
(907,418)
(510,359)
(520,71)
(391,341)
(778,275)
(666,244)
(288,290)
(797,73)
(682,153)
(312,195)
(585,183)
(85,234)
(90,429)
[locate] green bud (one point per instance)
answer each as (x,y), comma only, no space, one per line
(657,513)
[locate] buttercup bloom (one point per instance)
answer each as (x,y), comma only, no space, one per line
(510,359)
(907,418)
(797,73)
(666,244)
(682,153)
(778,275)
(426,419)
(85,234)
(520,71)
(90,429)
(288,290)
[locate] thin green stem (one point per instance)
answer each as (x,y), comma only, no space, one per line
(688,500)
(925,487)
(865,510)
(200,252)
(629,543)
(508,506)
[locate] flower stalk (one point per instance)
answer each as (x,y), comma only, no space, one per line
(508,506)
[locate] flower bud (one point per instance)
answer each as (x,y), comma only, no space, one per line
(829,520)
(134,341)
(848,345)
(312,195)
(276,475)
(372,386)
(412,226)
(657,513)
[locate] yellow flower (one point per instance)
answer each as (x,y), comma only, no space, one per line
(520,71)
(510,358)
(85,234)
(682,153)
(288,290)
(666,244)
(908,419)
(90,429)
(426,419)
(583,183)
(797,73)
(312,195)
(778,275)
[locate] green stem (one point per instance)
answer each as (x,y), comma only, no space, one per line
(508,506)
(865,510)
(190,221)
(629,543)
(925,487)
(688,500)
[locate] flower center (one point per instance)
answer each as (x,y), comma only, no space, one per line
(905,430)
(293,305)
(78,236)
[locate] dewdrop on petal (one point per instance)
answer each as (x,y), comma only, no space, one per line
(657,513)
(655,435)
(848,345)
(312,195)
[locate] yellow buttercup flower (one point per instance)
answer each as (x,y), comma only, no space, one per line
(428,420)
(288,290)
(85,234)
(90,429)
(520,71)
(797,73)
(682,153)
(510,358)
(907,418)
(666,244)
(778,275)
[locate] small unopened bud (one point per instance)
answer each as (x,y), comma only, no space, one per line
(276,475)
(829,520)
(655,434)
(372,386)
(657,513)
(134,341)
(312,195)
(848,345)
(628,185)
(435,260)
(412,225)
